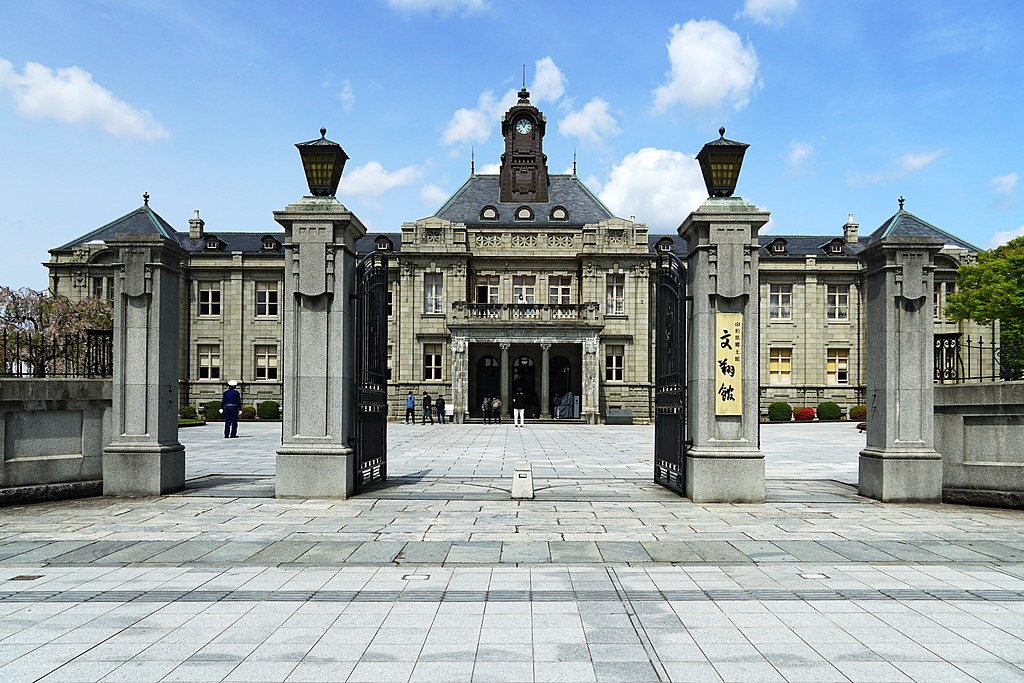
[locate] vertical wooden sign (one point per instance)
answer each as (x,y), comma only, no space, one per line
(728,364)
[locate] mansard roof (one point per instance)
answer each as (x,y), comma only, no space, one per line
(141,221)
(566,191)
(905,224)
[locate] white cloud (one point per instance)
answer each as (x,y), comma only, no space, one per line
(659,186)
(906,164)
(70,95)
(372,180)
(592,122)
(1004,184)
(439,6)
(798,153)
(433,194)
(478,123)
(489,169)
(347,98)
(768,12)
(1001,237)
(711,68)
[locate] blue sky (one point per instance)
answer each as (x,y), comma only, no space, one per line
(846,106)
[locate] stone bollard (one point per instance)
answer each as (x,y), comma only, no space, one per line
(522,481)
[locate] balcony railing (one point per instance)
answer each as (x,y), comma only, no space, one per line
(470,312)
(26,355)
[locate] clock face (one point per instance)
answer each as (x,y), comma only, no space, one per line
(524,126)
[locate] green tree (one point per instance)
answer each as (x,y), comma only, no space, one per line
(993,289)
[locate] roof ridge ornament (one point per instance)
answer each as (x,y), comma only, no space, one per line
(145,199)
(901,200)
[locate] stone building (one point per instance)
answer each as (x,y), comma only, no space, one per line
(521,280)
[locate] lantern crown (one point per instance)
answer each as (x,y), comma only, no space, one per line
(323,161)
(720,161)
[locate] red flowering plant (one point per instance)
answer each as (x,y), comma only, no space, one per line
(803,414)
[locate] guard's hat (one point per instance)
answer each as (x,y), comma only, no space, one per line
(232,383)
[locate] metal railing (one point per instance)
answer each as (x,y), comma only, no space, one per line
(498,312)
(32,355)
(975,360)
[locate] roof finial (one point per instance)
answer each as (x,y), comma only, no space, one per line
(524,77)
(323,132)
(721,132)
(901,202)
(145,198)
(472,162)
(574,161)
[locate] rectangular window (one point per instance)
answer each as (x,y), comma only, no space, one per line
(780,366)
(524,289)
(432,354)
(615,285)
(433,293)
(780,302)
(613,361)
(97,288)
(487,289)
(209,361)
(837,369)
(103,289)
(559,289)
(266,362)
(936,300)
(838,302)
(388,371)
(390,303)
(266,299)
(209,299)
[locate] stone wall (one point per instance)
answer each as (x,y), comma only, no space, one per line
(52,435)
(979,429)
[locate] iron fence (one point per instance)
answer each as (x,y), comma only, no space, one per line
(33,355)
(976,360)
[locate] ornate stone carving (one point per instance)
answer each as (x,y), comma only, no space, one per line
(560,241)
(459,269)
(433,236)
(616,237)
(78,279)
(483,240)
(459,344)
(521,241)
(504,346)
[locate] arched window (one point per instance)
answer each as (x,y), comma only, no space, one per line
(489,213)
(524,213)
(559,213)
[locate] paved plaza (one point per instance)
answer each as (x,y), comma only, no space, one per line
(439,576)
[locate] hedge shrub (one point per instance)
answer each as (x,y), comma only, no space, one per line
(248,413)
(858,412)
(211,410)
(188,413)
(828,410)
(780,412)
(268,410)
(803,414)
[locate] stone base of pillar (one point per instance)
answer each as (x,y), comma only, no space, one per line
(901,476)
(143,469)
(315,472)
(725,476)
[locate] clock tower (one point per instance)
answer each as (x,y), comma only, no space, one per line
(524,170)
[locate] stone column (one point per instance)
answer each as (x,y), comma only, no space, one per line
(589,402)
(460,379)
(144,457)
(900,464)
(505,405)
(725,463)
(545,382)
(315,459)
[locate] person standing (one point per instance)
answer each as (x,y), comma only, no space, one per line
(427,406)
(410,408)
(485,408)
(519,407)
(230,405)
(496,410)
(440,406)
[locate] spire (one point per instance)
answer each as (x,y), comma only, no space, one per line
(574,161)
(472,162)
(901,202)
(145,199)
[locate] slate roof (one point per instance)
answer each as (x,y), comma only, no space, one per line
(564,190)
(905,224)
(141,221)
(797,246)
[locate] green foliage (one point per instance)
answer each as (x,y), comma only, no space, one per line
(993,289)
(858,412)
(827,410)
(780,412)
(247,413)
(188,412)
(211,410)
(268,410)
(803,414)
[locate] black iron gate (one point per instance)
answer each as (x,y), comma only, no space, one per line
(671,437)
(371,428)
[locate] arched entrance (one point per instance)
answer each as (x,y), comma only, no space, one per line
(524,377)
(488,381)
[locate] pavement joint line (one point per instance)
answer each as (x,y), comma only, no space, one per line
(645,640)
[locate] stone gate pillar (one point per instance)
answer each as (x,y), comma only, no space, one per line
(590,401)
(315,459)
(460,379)
(144,457)
(900,463)
(725,463)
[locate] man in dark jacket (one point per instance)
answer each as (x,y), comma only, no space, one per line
(230,405)
(519,407)
(427,409)
(439,406)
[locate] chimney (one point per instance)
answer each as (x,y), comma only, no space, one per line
(850,230)
(195,227)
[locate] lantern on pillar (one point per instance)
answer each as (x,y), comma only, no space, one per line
(720,161)
(323,161)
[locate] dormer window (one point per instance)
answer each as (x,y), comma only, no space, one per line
(835,248)
(269,244)
(524,213)
(383,244)
(778,247)
(489,213)
(665,245)
(212,244)
(559,214)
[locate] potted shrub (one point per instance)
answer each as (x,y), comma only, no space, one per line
(268,410)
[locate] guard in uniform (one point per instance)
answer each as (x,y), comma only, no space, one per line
(230,404)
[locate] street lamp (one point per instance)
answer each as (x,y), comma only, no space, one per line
(720,162)
(323,161)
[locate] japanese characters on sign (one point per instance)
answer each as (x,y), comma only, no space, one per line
(728,364)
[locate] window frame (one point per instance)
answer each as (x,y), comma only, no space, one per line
(780,366)
(493,285)
(211,353)
(433,293)
(525,285)
(615,294)
(559,290)
(782,309)
(276,303)
(837,303)
(266,353)
(614,362)
(841,357)
(212,287)
(433,362)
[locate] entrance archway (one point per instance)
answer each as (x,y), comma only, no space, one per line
(488,381)
(524,377)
